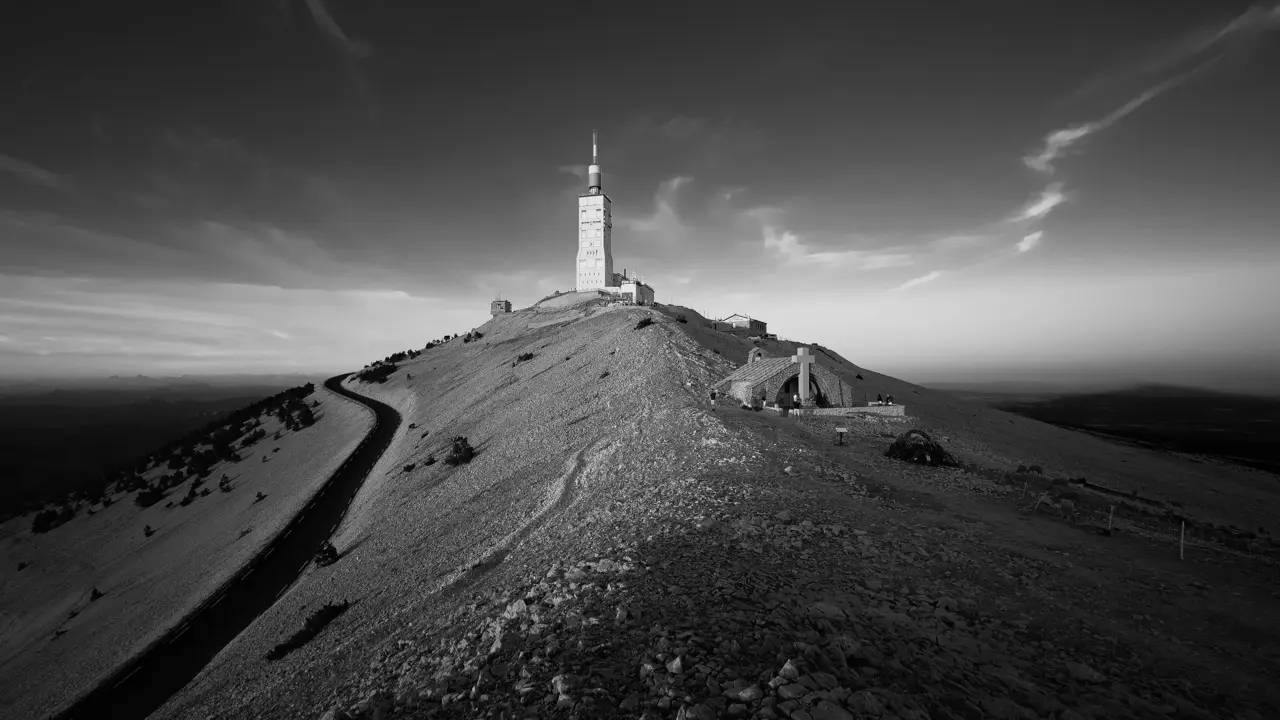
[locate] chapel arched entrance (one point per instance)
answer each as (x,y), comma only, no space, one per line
(791,387)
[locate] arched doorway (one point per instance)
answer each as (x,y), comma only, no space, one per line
(791,387)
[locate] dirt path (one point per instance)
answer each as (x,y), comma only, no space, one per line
(143,684)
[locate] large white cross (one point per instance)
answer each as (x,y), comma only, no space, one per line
(803,357)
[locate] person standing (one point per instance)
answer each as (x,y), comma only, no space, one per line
(713,399)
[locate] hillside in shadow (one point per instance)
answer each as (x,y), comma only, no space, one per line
(59,441)
(1237,428)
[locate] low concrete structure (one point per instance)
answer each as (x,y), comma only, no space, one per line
(881,410)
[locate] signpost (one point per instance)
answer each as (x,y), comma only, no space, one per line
(840,435)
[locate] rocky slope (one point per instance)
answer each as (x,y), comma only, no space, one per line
(615,549)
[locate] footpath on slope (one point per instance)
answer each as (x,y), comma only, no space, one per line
(791,585)
(144,683)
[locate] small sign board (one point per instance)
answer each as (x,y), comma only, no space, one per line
(840,435)
(842,430)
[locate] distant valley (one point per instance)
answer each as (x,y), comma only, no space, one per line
(56,439)
(1236,428)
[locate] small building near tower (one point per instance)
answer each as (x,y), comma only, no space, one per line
(498,307)
(746,322)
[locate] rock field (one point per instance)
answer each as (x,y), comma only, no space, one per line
(674,562)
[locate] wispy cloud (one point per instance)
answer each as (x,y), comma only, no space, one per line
(357,49)
(1030,241)
(32,174)
(664,222)
(1049,198)
(578,171)
(1186,59)
(954,243)
(788,247)
(928,277)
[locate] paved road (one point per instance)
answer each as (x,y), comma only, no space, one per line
(144,683)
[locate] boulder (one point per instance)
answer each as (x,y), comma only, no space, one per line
(916,446)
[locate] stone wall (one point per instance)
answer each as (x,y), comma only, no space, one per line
(885,410)
(573,298)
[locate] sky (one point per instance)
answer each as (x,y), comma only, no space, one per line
(1050,191)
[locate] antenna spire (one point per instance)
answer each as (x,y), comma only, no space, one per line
(595,158)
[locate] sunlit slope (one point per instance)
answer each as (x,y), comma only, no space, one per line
(149,582)
(566,459)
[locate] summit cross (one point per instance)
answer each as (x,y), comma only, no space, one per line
(803,357)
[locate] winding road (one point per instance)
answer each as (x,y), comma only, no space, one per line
(147,681)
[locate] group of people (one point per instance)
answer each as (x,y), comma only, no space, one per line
(756,403)
(885,400)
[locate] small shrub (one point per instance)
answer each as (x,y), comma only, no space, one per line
(326,555)
(148,496)
(714,350)
(524,357)
(681,319)
(426,433)
(206,492)
(413,425)
(431,460)
(644,322)
(260,497)
(460,453)
(409,467)
(858,376)
(22,566)
(147,531)
(93,596)
(604,374)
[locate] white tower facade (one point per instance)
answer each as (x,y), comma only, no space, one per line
(595,231)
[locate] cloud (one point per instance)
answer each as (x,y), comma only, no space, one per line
(664,221)
(929,277)
(953,243)
(579,171)
(357,49)
(1057,142)
(79,325)
(1050,198)
(1187,58)
(682,127)
(787,246)
(33,174)
(1030,241)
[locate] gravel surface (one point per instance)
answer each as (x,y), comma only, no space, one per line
(616,549)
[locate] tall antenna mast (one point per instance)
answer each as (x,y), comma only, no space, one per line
(593,172)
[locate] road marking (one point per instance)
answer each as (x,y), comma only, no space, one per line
(126,677)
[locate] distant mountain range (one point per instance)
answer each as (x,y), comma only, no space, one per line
(144,382)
